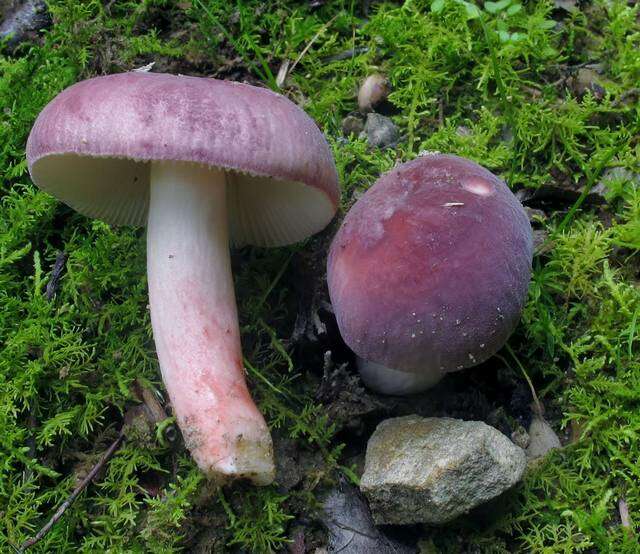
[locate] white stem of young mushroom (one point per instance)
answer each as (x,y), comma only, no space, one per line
(386,380)
(195,323)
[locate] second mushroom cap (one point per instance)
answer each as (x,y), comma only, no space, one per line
(429,272)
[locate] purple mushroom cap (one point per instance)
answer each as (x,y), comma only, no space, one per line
(87,145)
(429,272)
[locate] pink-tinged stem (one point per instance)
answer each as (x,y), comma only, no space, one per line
(195,323)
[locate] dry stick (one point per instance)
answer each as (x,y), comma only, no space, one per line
(155,412)
(56,273)
(76,492)
(150,401)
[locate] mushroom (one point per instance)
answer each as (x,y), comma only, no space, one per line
(202,162)
(429,272)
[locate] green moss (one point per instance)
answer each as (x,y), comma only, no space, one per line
(490,88)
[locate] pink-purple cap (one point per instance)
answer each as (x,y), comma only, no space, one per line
(92,144)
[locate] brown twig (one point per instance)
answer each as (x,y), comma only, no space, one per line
(56,273)
(154,411)
(76,492)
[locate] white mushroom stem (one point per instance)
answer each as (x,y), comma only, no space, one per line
(195,323)
(386,380)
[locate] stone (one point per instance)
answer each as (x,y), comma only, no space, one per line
(612,175)
(536,217)
(540,237)
(432,470)
(22,20)
(353,124)
(570,6)
(380,131)
(588,80)
(542,439)
(520,437)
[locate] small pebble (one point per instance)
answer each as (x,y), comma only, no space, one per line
(380,131)
(374,90)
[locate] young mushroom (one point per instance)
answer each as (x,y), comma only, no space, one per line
(202,162)
(429,272)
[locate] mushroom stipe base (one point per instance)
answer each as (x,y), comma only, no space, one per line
(387,380)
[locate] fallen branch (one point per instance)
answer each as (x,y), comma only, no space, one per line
(76,492)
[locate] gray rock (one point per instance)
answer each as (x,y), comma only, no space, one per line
(587,80)
(21,20)
(353,124)
(520,437)
(542,439)
(540,236)
(432,470)
(611,175)
(351,528)
(380,131)
(507,134)
(566,5)
(535,216)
